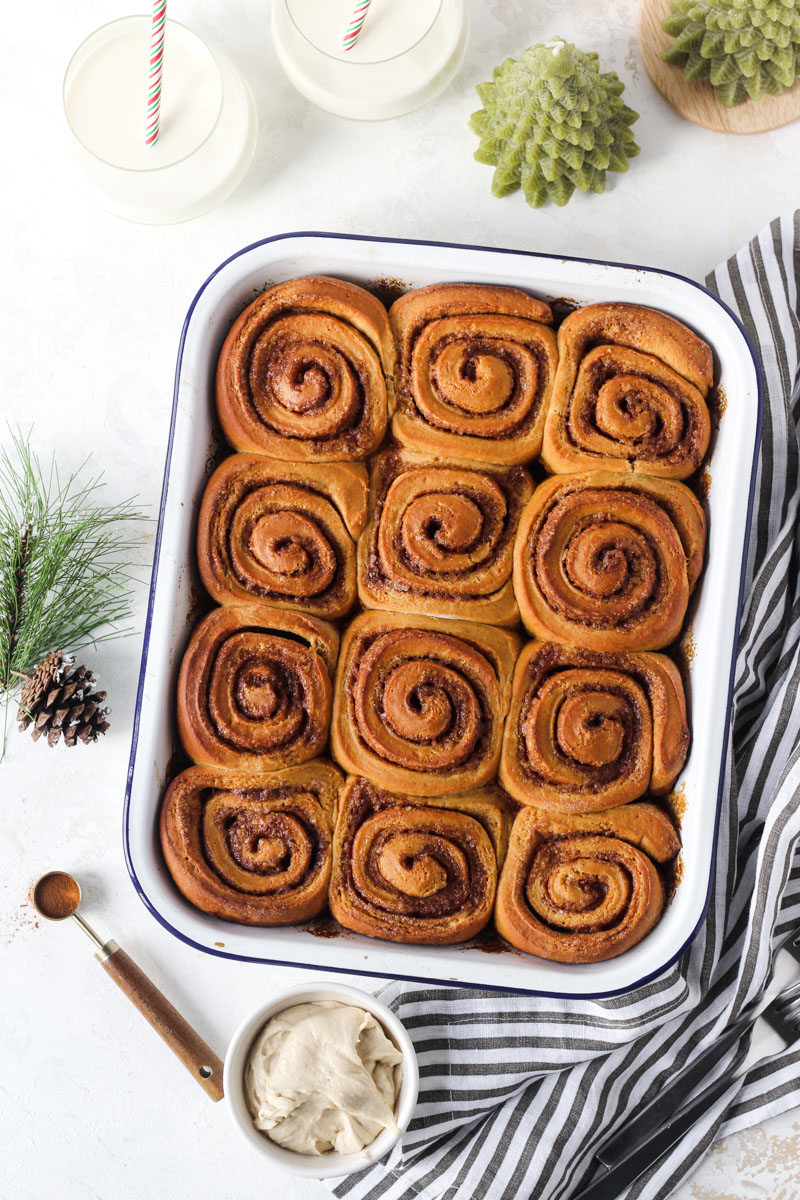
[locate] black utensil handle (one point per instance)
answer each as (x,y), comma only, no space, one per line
(669,1099)
(612,1182)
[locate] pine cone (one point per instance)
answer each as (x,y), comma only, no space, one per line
(742,47)
(551,123)
(58,701)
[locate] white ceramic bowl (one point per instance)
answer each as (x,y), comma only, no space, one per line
(322,1166)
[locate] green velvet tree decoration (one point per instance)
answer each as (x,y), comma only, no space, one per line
(742,47)
(551,123)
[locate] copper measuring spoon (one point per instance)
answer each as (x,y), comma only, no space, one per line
(57,896)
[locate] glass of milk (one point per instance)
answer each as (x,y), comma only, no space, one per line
(407,52)
(208,123)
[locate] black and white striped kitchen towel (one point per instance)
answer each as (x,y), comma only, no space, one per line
(517,1092)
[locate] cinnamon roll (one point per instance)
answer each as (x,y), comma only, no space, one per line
(255,849)
(419,704)
(589,731)
(630,391)
(282,533)
(475,371)
(607,560)
(440,538)
(419,871)
(254,688)
(303,373)
(586,887)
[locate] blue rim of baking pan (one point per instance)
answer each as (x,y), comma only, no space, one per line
(347,237)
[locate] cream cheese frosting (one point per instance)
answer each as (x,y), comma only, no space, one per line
(323,1077)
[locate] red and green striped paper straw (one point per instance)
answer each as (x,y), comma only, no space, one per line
(354,25)
(154,76)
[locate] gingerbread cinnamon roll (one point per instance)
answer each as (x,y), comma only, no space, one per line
(586,887)
(419,705)
(440,539)
(475,371)
(418,871)
(254,688)
(282,533)
(255,849)
(303,373)
(588,731)
(630,391)
(608,560)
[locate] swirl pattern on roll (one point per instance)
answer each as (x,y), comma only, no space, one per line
(418,871)
(440,538)
(255,849)
(475,371)
(586,887)
(589,731)
(420,706)
(303,373)
(630,391)
(282,533)
(608,560)
(254,688)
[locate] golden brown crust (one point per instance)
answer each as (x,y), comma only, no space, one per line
(629,393)
(306,372)
(255,849)
(583,888)
(417,871)
(454,547)
(419,705)
(440,537)
(607,560)
(475,371)
(588,731)
(254,688)
(282,533)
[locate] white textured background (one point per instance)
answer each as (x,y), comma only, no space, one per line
(92,1104)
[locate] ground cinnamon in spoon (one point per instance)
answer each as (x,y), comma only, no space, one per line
(57,895)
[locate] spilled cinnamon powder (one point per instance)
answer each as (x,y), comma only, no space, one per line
(490,942)
(672,876)
(675,804)
(562,306)
(324,927)
(717,403)
(683,654)
(700,484)
(387,289)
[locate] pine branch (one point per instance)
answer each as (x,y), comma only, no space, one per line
(22,559)
(67,561)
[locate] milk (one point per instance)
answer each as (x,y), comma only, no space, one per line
(207,127)
(406,54)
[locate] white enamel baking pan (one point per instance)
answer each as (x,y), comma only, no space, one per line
(193,442)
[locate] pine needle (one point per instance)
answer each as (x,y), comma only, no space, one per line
(66,563)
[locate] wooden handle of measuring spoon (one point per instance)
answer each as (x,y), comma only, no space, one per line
(196,1056)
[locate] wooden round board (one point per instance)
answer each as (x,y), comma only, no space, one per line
(696,101)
